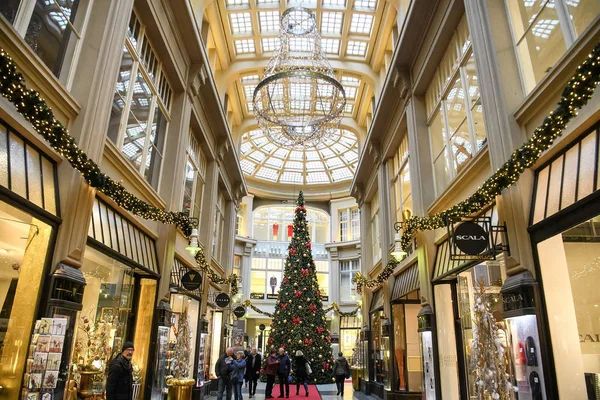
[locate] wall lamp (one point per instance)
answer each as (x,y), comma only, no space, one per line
(193,246)
(398,253)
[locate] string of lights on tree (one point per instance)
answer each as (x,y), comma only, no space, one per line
(35,110)
(575,95)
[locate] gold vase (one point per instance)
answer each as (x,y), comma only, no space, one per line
(86,383)
(180,392)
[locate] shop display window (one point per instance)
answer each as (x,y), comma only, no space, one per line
(407,350)
(349,335)
(24,241)
(381,349)
(179,303)
(570,272)
(103,322)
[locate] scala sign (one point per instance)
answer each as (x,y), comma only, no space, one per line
(239,311)
(191,280)
(471,238)
(222,300)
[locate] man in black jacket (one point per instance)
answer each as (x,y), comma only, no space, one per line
(223,370)
(120,375)
(284,369)
(253,363)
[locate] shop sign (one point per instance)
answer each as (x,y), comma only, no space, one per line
(191,280)
(239,311)
(257,296)
(470,240)
(272,296)
(222,300)
(262,327)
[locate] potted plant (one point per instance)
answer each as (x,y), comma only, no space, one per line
(179,381)
(91,354)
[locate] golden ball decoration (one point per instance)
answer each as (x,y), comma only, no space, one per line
(299,307)
(299,341)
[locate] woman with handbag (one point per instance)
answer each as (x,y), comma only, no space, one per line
(302,370)
(341,369)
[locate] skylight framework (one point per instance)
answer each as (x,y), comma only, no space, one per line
(332,161)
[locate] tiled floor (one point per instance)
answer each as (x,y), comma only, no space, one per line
(328,392)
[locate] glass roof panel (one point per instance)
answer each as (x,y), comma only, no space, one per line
(240,22)
(270,44)
(331,46)
(339,3)
(244,46)
(361,23)
(331,22)
(334,160)
(356,48)
(269,21)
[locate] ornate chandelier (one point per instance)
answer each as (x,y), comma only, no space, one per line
(299,102)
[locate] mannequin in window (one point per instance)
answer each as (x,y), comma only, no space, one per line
(273,284)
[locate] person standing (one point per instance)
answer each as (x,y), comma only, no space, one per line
(223,370)
(271,372)
(120,375)
(284,369)
(237,375)
(341,369)
(253,363)
(246,354)
(301,371)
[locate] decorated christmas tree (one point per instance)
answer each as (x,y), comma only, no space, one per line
(492,380)
(299,320)
(357,357)
(180,363)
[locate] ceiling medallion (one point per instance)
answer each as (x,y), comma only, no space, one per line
(299,102)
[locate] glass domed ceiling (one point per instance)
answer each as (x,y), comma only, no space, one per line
(332,161)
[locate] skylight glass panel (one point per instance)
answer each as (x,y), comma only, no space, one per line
(294,165)
(247,166)
(237,2)
(244,46)
(274,2)
(349,108)
(361,23)
(324,91)
(311,155)
(356,48)
(371,4)
(339,148)
(268,174)
(350,156)
(341,174)
(249,78)
(240,22)
(337,3)
(326,153)
(331,22)
(250,107)
(317,177)
(296,155)
(330,46)
(274,162)
(245,148)
(314,165)
(269,21)
(301,44)
(300,90)
(249,91)
(261,141)
(282,153)
(350,80)
(269,147)
(334,162)
(350,92)
(291,177)
(270,44)
(257,156)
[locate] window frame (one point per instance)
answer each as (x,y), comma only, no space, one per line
(217,242)
(198,164)
(352,230)
(160,79)
(399,167)
(354,264)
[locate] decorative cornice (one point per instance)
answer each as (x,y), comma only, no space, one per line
(401,81)
(375,152)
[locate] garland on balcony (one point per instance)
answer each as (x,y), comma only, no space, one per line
(231,280)
(383,276)
(248,303)
(35,110)
(575,95)
(333,306)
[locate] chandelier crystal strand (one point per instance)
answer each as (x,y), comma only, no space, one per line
(299,101)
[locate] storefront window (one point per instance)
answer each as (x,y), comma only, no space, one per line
(24,243)
(103,323)
(407,349)
(381,348)
(179,303)
(570,269)
(349,334)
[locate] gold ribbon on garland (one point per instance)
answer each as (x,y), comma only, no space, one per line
(575,95)
(333,306)
(231,280)
(248,303)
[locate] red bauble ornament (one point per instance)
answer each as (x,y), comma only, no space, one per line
(271,340)
(318,292)
(296,320)
(325,365)
(285,279)
(308,245)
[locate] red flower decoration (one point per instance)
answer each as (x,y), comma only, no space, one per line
(271,340)
(308,245)
(325,365)
(293,252)
(328,339)
(320,330)
(308,342)
(296,320)
(304,272)
(297,294)
(284,305)
(318,292)
(312,308)
(285,279)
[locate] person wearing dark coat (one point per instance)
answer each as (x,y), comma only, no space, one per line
(223,369)
(301,372)
(341,369)
(271,372)
(253,363)
(120,375)
(284,369)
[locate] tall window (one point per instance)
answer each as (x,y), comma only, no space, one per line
(375,231)
(322,268)
(349,224)
(195,173)
(237,267)
(348,268)
(544,29)
(240,223)
(275,223)
(50,27)
(217,245)
(455,115)
(401,181)
(140,111)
